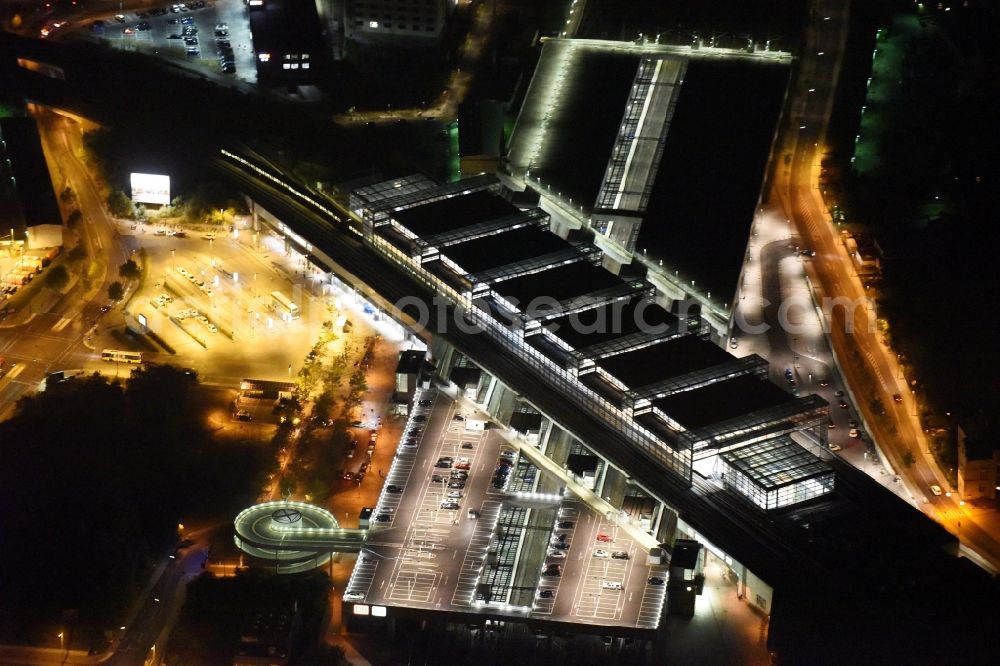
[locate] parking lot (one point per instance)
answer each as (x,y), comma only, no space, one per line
(422,528)
(201,34)
(435,538)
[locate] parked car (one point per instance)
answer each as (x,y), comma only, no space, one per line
(619,555)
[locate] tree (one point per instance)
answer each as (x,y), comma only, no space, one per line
(129,270)
(77,254)
(116,291)
(58,278)
(74,219)
(120,205)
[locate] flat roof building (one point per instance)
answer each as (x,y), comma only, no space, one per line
(287,41)
(401,21)
(35,198)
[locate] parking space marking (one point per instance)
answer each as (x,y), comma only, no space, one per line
(651,605)
(475,554)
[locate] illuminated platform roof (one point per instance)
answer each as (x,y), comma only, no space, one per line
(674,357)
(559,283)
(776,463)
(497,250)
(453,213)
(595,328)
(722,401)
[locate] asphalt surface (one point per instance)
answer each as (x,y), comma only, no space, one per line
(51,340)
(418,557)
(425,556)
(832,275)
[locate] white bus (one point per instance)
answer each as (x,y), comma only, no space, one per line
(284,307)
(119,356)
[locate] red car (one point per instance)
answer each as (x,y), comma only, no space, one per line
(601,536)
(461,465)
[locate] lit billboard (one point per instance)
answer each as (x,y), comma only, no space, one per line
(150,188)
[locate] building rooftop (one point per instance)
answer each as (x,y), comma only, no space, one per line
(410,362)
(776,462)
(658,362)
(703,199)
(558,283)
(453,213)
(31,173)
(578,117)
(722,401)
(285,26)
(608,322)
(493,251)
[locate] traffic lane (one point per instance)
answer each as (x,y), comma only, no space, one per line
(803,205)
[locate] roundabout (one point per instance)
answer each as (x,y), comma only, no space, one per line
(294,536)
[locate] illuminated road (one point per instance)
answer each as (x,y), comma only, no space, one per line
(50,335)
(863,357)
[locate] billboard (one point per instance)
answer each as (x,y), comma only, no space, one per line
(150,188)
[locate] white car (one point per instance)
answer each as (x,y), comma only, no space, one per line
(455,494)
(611,585)
(936,489)
(555,554)
(354,596)
(601,553)
(213,328)
(854,433)
(835,447)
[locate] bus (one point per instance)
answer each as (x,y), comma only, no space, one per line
(119,356)
(284,307)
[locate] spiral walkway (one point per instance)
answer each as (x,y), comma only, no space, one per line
(295,536)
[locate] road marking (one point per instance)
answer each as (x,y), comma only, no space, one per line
(16,371)
(61,324)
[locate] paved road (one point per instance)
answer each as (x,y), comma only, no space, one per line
(50,335)
(864,358)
